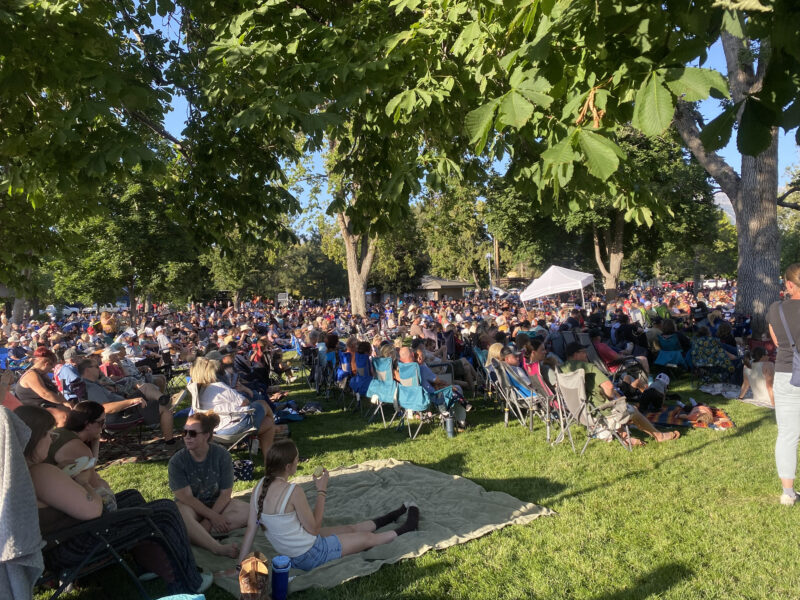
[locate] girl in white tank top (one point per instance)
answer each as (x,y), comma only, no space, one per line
(295,529)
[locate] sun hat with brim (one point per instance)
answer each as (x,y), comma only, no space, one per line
(13,338)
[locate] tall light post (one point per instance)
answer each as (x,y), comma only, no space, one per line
(489,262)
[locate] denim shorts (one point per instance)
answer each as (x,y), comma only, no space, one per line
(249,420)
(325,549)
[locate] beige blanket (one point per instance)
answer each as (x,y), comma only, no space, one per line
(453,510)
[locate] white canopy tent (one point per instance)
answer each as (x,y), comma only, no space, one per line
(556,280)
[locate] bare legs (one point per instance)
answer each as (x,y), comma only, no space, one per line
(200,531)
(642,423)
(358,537)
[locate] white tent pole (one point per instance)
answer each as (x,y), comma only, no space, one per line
(583,300)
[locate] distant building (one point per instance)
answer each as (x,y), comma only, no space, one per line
(436,288)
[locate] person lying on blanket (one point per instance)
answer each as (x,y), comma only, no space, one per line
(601,390)
(294,529)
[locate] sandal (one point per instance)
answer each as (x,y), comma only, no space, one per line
(669,436)
(632,441)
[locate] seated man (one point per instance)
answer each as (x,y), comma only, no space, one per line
(464,374)
(600,389)
(151,410)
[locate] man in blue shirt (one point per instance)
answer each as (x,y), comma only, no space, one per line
(68,374)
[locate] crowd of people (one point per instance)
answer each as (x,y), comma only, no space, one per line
(67,381)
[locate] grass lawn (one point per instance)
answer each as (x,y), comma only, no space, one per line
(694,518)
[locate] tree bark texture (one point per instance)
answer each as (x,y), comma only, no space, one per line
(753,194)
(608,246)
(360,254)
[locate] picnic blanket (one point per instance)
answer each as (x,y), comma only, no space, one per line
(453,510)
(668,417)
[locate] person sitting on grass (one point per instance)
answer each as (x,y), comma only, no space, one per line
(64,502)
(600,389)
(294,529)
(201,477)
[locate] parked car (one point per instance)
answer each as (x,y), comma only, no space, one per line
(66,311)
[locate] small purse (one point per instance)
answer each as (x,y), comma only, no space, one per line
(795,380)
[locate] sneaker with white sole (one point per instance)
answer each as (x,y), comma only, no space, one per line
(207,581)
(788,500)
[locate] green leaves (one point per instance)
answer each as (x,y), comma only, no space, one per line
(514,110)
(755,128)
(478,123)
(653,109)
(692,84)
(602,155)
(715,135)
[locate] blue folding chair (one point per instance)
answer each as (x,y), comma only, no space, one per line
(359,382)
(412,397)
(383,389)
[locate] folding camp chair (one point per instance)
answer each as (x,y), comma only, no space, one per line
(557,344)
(479,358)
(229,440)
(310,361)
(109,543)
(382,389)
(360,381)
(602,422)
(412,397)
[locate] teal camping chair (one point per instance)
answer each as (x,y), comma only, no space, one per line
(412,397)
(383,389)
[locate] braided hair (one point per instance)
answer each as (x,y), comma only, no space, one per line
(280,455)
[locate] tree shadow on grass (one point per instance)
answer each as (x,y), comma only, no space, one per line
(653,584)
(528,489)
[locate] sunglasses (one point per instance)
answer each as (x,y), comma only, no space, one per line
(192,433)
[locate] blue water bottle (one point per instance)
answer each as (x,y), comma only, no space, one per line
(280,577)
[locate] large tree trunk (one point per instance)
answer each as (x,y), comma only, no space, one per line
(753,195)
(360,254)
(757,234)
(611,246)
(18,310)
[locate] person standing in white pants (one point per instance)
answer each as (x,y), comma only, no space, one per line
(785,331)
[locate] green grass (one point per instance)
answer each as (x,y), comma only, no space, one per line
(696,518)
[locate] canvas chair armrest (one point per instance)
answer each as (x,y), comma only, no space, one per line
(98,525)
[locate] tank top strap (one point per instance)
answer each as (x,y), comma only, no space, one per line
(286,496)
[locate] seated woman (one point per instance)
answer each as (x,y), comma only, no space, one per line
(79,440)
(201,477)
(294,529)
(759,374)
(35,388)
(64,502)
(540,368)
(669,347)
(236,412)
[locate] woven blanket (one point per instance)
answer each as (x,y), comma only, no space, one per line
(668,416)
(453,510)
